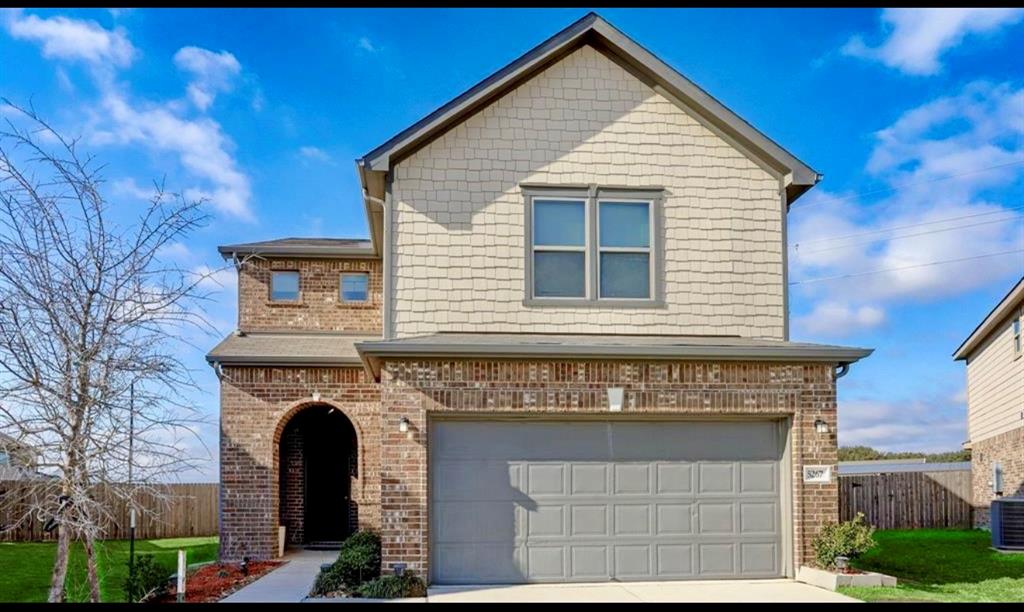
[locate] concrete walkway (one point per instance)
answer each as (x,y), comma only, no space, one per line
(695,591)
(289,583)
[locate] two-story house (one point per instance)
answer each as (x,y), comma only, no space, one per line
(561,355)
(994,354)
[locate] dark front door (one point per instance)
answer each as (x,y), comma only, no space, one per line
(326,454)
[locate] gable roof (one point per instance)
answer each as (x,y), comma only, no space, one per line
(595,31)
(1010,301)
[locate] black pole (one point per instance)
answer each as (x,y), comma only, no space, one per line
(131,493)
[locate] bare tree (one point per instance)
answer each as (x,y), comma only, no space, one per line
(89,309)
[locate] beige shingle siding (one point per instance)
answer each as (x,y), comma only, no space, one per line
(458,236)
(995,385)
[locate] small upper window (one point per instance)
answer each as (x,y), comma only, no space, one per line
(1016,335)
(355,287)
(284,286)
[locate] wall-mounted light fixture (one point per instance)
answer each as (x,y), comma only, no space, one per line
(821,426)
(615,399)
(403,425)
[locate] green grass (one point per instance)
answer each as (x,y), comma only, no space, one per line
(27,566)
(956,565)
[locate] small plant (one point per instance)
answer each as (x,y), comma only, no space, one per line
(393,587)
(358,562)
(146,579)
(359,558)
(848,539)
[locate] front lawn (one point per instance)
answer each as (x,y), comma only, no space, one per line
(27,566)
(941,565)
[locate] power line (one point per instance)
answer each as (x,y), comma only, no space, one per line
(914,184)
(924,265)
(934,231)
(909,225)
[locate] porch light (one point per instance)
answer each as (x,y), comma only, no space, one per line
(615,399)
(821,426)
(403,425)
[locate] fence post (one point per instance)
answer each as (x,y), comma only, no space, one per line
(181,575)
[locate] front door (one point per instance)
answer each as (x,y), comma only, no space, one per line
(326,455)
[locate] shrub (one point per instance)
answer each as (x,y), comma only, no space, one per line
(327,582)
(358,561)
(146,578)
(848,539)
(393,587)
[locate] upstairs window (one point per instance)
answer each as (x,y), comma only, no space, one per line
(591,247)
(624,249)
(559,248)
(355,287)
(284,286)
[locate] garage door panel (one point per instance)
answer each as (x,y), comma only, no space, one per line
(593,501)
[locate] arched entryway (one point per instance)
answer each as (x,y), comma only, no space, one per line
(318,458)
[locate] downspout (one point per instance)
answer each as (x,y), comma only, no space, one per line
(385,261)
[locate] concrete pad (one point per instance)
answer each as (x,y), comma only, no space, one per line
(681,591)
(289,583)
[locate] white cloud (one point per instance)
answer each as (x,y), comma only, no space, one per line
(212,73)
(315,153)
(836,319)
(961,136)
(73,39)
(128,187)
(925,426)
(366,44)
(200,144)
(215,279)
(918,37)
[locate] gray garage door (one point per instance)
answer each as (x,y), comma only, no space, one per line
(535,501)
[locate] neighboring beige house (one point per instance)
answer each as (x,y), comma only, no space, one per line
(994,353)
(562,354)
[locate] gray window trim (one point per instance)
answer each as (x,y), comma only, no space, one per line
(341,287)
(298,295)
(591,194)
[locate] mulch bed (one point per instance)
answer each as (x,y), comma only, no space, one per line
(214,582)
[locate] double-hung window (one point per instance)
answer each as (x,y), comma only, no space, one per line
(355,287)
(624,249)
(560,248)
(592,247)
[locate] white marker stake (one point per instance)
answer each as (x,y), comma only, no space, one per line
(181,576)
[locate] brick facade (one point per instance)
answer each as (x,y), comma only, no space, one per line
(256,405)
(416,389)
(1006,448)
(319,307)
(291,484)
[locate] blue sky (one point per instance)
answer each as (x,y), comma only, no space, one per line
(915,117)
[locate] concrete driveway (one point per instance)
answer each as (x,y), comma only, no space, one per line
(689,591)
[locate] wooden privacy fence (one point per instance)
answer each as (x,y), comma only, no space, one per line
(180,510)
(908,500)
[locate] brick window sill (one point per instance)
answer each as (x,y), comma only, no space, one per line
(283,304)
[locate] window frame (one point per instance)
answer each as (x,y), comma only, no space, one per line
(547,248)
(341,287)
(648,250)
(298,293)
(591,195)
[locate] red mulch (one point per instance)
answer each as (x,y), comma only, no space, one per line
(216,581)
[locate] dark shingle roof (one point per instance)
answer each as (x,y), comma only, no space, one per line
(307,247)
(288,348)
